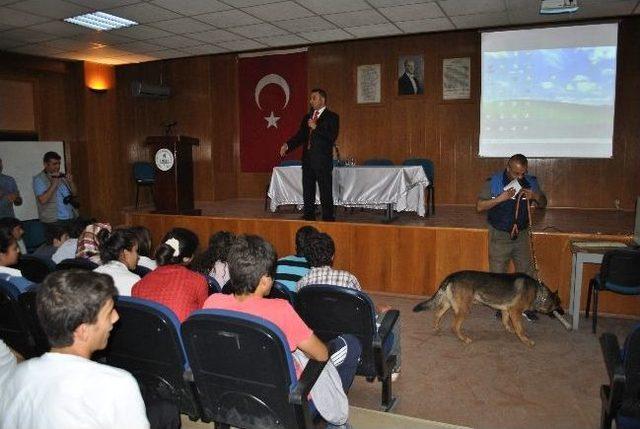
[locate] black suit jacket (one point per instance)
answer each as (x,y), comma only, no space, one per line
(405,87)
(322,139)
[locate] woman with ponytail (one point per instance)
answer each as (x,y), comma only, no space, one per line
(119,255)
(172,283)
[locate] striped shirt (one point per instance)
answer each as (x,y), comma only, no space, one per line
(290,269)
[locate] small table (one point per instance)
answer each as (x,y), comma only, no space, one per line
(585,252)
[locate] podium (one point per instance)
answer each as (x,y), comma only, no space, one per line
(173,163)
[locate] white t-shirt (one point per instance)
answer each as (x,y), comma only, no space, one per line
(67,391)
(67,250)
(122,277)
(147,262)
(7,363)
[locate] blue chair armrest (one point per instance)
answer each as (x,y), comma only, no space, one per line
(388,322)
(615,370)
(307,380)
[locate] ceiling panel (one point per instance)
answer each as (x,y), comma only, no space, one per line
(57,9)
(191,7)
(314,23)
(412,12)
(357,19)
(278,11)
(228,18)
(324,7)
(182,26)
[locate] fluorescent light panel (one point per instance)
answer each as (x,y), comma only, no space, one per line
(100,21)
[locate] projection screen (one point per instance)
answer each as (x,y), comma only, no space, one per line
(549,92)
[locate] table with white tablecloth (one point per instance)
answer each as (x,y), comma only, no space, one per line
(397,188)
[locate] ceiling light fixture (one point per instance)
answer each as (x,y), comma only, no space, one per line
(552,7)
(100,21)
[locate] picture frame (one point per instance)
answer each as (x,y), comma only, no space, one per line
(369,84)
(410,75)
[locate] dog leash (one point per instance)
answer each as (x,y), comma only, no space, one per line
(536,270)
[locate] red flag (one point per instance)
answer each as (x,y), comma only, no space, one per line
(273,100)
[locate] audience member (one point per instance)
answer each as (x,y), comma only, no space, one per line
(9,194)
(89,242)
(320,251)
(119,254)
(213,261)
(54,192)
(172,283)
(8,257)
(55,236)
(144,247)
(251,265)
(14,226)
(65,388)
(67,250)
(292,268)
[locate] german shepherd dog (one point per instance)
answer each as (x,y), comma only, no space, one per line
(510,293)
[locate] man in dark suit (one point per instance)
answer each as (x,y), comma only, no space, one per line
(317,135)
(408,83)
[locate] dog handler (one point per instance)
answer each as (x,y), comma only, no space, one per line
(505,196)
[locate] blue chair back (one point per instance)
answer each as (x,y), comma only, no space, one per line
(620,271)
(143,172)
(377,162)
(426,164)
(34,234)
(146,342)
(76,264)
(280,291)
(14,329)
(290,162)
(243,370)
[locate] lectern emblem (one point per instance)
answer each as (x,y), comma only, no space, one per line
(164,159)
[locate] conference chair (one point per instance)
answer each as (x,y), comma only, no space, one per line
(283,163)
(377,162)
(77,264)
(331,311)
(244,371)
(427,166)
(619,273)
(146,342)
(33,268)
(620,397)
(27,301)
(280,291)
(34,234)
(144,175)
(14,329)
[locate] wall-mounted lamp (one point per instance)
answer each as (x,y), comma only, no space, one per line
(99,77)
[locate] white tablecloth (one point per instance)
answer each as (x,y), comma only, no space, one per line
(374,187)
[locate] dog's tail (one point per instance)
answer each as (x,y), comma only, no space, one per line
(435,300)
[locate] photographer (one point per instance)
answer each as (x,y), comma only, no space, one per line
(55,192)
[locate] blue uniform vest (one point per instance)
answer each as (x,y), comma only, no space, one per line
(501,216)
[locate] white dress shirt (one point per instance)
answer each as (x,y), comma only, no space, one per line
(67,391)
(147,262)
(7,364)
(122,277)
(67,250)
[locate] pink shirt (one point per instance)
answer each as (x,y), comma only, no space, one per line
(277,311)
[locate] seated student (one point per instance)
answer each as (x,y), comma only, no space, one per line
(320,251)
(144,247)
(213,261)
(65,388)
(9,256)
(55,235)
(14,226)
(292,268)
(172,283)
(119,254)
(89,242)
(251,264)
(67,250)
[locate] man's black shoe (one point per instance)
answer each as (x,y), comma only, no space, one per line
(530,315)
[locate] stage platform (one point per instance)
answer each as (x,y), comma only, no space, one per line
(413,254)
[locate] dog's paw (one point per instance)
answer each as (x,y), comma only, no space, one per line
(466,340)
(529,342)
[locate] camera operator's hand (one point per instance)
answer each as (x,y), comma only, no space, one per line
(506,195)
(529,194)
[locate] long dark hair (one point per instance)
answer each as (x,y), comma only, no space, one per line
(187,246)
(218,250)
(113,245)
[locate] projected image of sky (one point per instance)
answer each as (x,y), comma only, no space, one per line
(584,75)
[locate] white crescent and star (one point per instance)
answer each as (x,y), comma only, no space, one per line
(276,79)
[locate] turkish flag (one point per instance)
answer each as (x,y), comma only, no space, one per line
(273,100)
